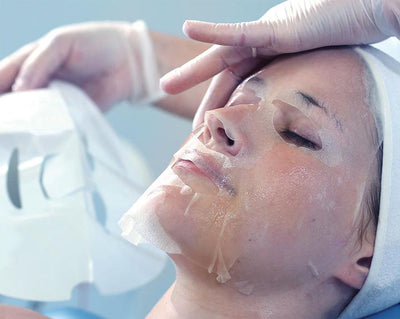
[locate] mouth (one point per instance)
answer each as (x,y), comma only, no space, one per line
(204,166)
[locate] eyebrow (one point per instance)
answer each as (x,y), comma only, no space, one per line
(310,100)
(307,99)
(256,79)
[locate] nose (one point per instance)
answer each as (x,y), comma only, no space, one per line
(224,131)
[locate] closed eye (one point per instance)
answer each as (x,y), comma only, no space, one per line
(299,140)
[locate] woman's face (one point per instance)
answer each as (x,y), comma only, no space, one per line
(268,191)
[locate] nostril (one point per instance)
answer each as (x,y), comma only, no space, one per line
(225,135)
(221,132)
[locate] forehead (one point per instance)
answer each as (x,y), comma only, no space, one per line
(335,74)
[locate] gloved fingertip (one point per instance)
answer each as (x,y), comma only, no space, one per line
(164,83)
(167,82)
(197,120)
(190,26)
(189,22)
(20,85)
(185,27)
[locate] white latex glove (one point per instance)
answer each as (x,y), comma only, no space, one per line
(111,61)
(291,26)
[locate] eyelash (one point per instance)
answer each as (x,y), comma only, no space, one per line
(299,140)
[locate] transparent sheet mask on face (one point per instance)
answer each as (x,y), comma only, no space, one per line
(66,179)
(206,202)
(220,206)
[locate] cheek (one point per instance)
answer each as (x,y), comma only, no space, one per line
(285,186)
(297,208)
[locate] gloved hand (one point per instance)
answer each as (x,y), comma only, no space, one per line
(291,26)
(111,61)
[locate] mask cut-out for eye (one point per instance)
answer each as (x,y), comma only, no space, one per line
(13,188)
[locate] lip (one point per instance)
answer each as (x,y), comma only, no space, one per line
(204,165)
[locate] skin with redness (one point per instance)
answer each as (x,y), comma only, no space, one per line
(266,197)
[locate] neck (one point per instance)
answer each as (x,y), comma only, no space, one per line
(197,294)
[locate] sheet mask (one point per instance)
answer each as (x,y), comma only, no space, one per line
(66,179)
(217,212)
(201,202)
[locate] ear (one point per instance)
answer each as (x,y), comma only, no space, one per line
(355,270)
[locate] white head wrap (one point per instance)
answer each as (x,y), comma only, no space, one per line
(382,287)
